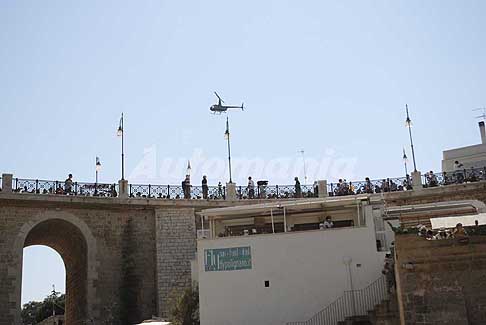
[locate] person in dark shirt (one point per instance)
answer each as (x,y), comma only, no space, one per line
(298,189)
(205,187)
(68,184)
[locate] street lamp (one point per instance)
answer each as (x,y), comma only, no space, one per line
(98,168)
(405,161)
(227,137)
(408,124)
(302,152)
(188,170)
(120,133)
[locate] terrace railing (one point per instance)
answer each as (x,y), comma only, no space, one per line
(276,192)
(176,192)
(39,186)
(352,303)
(370,186)
(366,186)
(456,177)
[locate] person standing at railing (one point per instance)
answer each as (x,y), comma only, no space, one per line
(205,187)
(186,187)
(368,186)
(68,184)
(432,179)
(298,189)
(220,190)
(251,188)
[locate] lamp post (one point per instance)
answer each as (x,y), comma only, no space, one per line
(302,152)
(188,170)
(405,160)
(120,133)
(227,137)
(98,168)
(408,124)
(347,261)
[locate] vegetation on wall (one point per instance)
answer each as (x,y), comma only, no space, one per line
(184,307)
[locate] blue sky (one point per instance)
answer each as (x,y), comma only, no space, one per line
(319,75)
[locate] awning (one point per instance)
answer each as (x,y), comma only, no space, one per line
(451,222)
(296,205)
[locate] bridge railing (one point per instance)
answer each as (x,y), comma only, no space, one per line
(459,176)
(176,192)
(40,186)
(368,186)
(260,191)
(276,192)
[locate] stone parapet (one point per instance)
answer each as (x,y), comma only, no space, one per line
(440,282)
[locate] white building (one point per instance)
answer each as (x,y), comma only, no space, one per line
(271,264)
(467,157)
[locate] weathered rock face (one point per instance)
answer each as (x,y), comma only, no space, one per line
(441,282)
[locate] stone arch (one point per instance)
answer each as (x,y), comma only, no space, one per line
(74,241)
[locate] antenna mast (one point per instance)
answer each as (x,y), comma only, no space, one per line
(482,116)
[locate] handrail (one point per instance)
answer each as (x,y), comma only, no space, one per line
(351,303)
(262,191)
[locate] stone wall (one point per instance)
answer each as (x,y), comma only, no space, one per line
(125,257)
(176,247)
(441,282)
(109,258)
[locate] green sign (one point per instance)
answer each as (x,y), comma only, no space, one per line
(227,259)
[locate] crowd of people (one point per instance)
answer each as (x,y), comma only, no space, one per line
(369,187)
(458,232)
(459,176)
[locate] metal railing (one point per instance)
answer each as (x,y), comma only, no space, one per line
(264,191)
(177,192)
(456,177)
(370,186)
(352,303)
(276,192)
(38,186)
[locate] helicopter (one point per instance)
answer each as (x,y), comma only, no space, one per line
(220,108)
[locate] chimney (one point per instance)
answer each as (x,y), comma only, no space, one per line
(483,132)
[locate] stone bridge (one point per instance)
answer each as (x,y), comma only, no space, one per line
(124,257)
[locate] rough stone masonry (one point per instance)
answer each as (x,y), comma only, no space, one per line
(124,257)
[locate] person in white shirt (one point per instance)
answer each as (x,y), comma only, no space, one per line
(328,223)
(251,188)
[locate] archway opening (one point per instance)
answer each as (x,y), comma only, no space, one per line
(68,241)
(42,268)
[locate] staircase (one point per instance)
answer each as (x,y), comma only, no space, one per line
(369,306)
(385,313)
